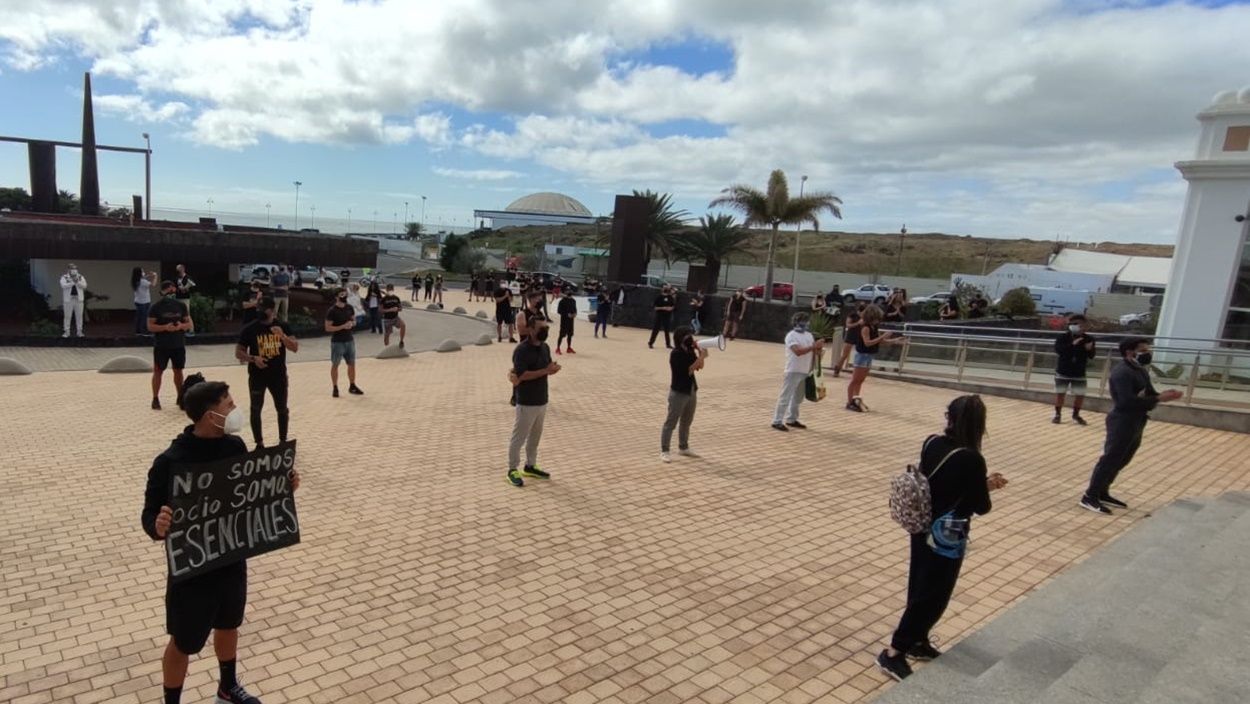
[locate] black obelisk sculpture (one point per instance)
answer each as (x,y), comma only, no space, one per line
(89,188)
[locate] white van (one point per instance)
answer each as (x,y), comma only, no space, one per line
(1060,301)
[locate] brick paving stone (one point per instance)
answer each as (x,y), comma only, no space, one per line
(766,570)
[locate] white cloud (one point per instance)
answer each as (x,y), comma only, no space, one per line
(477,174)
(1031,105)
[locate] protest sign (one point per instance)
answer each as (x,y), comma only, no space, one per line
(230,510)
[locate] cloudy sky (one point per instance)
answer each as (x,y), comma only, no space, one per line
(1038,118)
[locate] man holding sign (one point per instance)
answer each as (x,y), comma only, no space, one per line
(214,597)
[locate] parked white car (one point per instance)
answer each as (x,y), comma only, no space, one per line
(940,297)
(1136,320)
(871,293)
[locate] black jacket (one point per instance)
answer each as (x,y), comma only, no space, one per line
(1132,395)
(185,449)
(1073,357)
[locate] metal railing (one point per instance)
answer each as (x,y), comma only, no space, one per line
(1206,375)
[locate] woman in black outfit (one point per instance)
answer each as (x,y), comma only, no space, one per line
(960,486)
(896,308)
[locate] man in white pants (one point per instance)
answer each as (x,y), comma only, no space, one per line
(73,293)
(800,345)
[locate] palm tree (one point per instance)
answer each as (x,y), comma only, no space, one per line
(663,221)
(717,239)
(775,207)
(412,231)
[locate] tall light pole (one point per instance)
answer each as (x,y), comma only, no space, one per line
(267,207)
(313,219)
(210,207)
(297,185)
(794,277)
(902,235)
(147,178)
(405,213)
(395,223)
(349,221)
(375,222)
(422,211)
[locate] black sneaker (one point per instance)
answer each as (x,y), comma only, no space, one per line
(1057,419)
(535,472)
(1079,420)
(335,393)
(514,478)
(781,426)
(1109,499)
(852,406)
(235,695)
(156,404)
(923,651)
(796,424)
(353,389)
(895,667)
(1096,506)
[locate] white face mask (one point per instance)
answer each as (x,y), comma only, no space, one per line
(1074,329)
(233,421)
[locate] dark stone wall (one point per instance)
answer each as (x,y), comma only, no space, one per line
(50,239)
(768,322)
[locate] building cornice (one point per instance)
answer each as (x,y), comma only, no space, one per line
(1214,169)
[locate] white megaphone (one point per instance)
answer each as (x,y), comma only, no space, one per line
(717,342)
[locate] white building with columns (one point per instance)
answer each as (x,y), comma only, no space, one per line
(1208,291)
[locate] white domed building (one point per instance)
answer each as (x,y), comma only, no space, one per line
(538,209)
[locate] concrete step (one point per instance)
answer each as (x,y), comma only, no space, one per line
(1110,629)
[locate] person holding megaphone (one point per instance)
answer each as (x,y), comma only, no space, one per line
(686,358)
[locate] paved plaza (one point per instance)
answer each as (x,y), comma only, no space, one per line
(766,571)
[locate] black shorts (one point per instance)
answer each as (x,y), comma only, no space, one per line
(505,315)
(161,358)
(214,600)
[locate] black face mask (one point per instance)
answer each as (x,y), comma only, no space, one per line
(543,334)
(342,299)
(1144,359)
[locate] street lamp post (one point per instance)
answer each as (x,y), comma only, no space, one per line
(210,207)
(902,236)
(313,219)
(405,213)
(297,185)
(794,277)
(423,211)
(147,178)
(395,222)
(267,206)
(349,221)
(375,222)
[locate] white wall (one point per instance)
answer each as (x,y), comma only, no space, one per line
(104,278)
(1009,276)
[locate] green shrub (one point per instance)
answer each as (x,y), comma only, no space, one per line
(1017,303)
(203,313)
(822,326)
(44,328)
(929,310)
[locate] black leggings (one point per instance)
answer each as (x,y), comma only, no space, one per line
(276,385)
(930,583)
(566,330)
(662,322)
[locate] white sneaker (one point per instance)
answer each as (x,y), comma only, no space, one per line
(687,453)
(65,335)
(665,457)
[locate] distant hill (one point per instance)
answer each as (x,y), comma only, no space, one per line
(927,255)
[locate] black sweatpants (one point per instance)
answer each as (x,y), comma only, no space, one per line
(276,385)
(566,330)
(930,582)
(662,322)
(1123,438)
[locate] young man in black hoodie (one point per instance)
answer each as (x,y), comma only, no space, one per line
(1073,349)
(213,601)
(567,310)
(1133,397)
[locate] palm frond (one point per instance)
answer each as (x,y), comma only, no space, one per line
(799,211)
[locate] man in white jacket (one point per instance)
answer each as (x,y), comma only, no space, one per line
(73,293)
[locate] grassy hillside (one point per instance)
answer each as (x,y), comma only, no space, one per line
(929,255)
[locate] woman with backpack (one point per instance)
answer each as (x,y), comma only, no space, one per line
(938,507)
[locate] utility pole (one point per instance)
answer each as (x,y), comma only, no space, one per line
(794,277)
(297,185)
(147,178)
(267,206)
(902,237)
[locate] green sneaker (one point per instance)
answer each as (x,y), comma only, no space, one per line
(534,472)
(514,478)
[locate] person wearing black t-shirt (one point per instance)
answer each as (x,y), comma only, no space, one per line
(866,347)
(1073,350)
(567,310)
(603,311)
(168,321)
(696,311)
(504,315)
(263,345)
(735,310)
(959,486)
(429,286)
(850,336)
(685,359)
(390,317)
(340,319)
(531,365)
(213,602)
(664,305)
